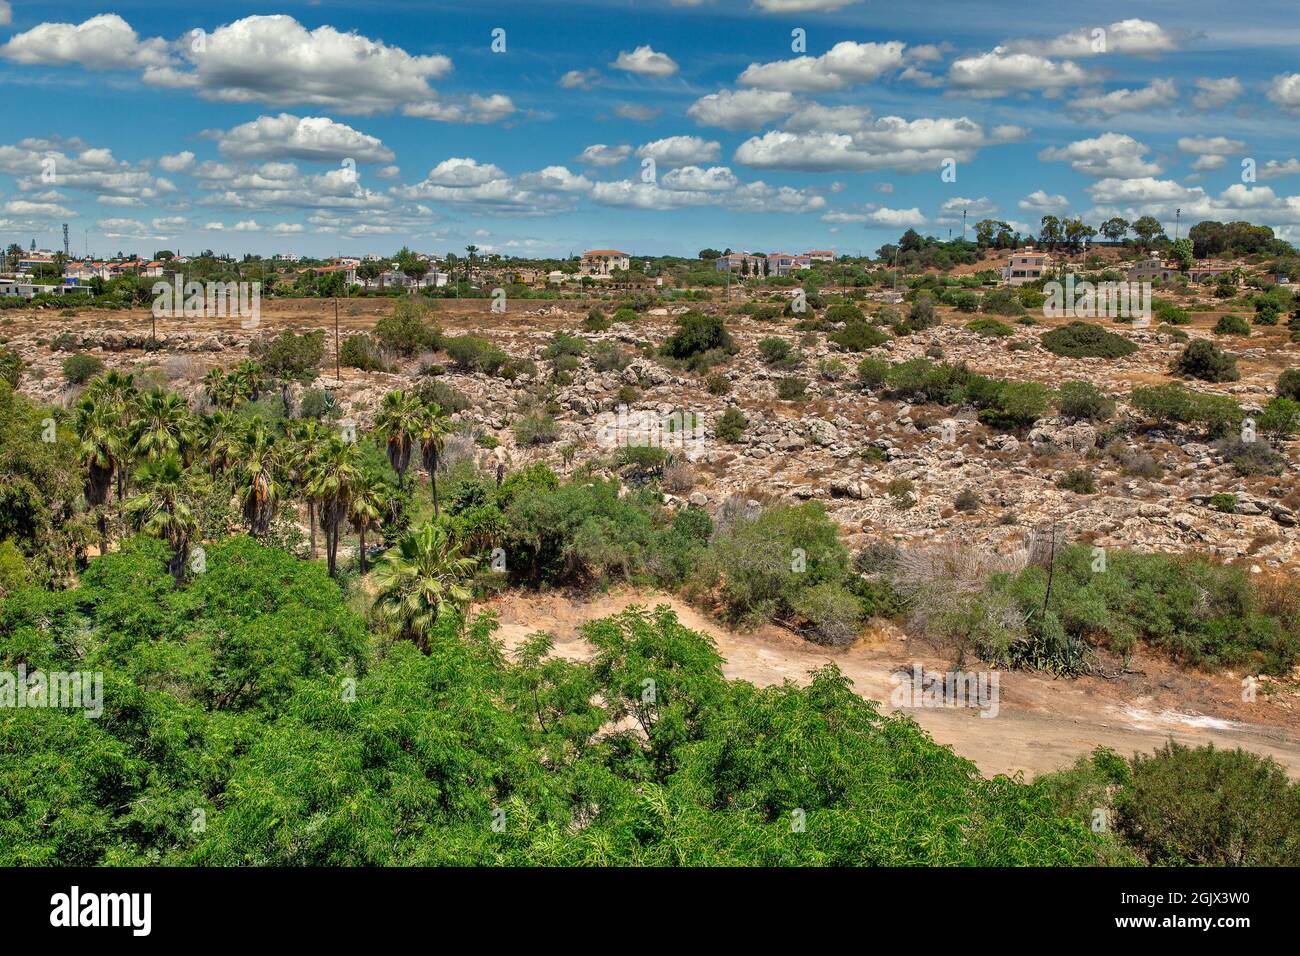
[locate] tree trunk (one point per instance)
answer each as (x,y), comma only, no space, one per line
(361,549)
(433,480)
(311,516)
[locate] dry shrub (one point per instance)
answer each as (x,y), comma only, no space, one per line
(678,478)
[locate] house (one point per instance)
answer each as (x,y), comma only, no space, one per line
(821,255)
(1148,270)
(349,272)
(601,262)
(782,264)
(741,263)
(1208,271)
(1026,266)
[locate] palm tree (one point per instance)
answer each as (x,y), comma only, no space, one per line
(219,437)
(398,421)
(101,453)
(214,385)
(162,510)
(469,262)
(332,475)
(162,425)
(250,378)
(259,492)
(433,431)
(419,580)
(307,438)
(366,509)
(116,394)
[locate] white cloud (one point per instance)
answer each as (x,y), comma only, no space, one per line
(698,179)
(464,172)
(276,60)
(104,42)
(638,195)
(178,162)
(637,112)
(681,151)
(890,142)
(6,13)
(1107,155)
(1138,37)
(1159,92)
(952,209)
(476,109)
(1000,72)
(898,218)
(645,61)
(580,79)
(1284,91)
(37,210)
(292,137)
(741,109)
(599,154)
(1274,168)
(1215,93)
(1039,201)
(845,64)
(1212,145)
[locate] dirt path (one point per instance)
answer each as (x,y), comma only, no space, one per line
(1041,724)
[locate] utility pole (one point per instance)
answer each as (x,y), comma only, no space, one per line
(1178,216)
(338,374)
(963,225)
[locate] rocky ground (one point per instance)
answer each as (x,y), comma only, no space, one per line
(841,445)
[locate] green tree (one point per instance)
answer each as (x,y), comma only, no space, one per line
(420,580)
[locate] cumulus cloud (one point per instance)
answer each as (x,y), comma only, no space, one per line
(1216,92)
(637,112)
(293,137)
(680,151)
(177,162)
(644,61)
(580,79)
(1159,92)
(1002,71)
(104,42)
(1133,36)
(599,154)
(741,109)
(1041,202)
(1108,155)
(1275,168)
(897,218)
(845,64)
(802,6)
(890,142)
(1284,91)
(476,109)
(699,179)
(76,166)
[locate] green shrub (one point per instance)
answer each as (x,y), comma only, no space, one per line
(536,428)
(563,344)
(872,372)
(774,350)
(922,315)
(792,389)
(1085,401)
(1204,360)
(405,331)
(361,352)
(1224,501)
(718,384)
(1208,807)
(475,354)
(1280,418)
(1231,325)
(1084,340)
(1078,480)
(290,355)
(990,328)
(697,334)
(1170,314)
(858,337)
(316,403)
(732,424)
(81,368)
(1288,384)
(450,399)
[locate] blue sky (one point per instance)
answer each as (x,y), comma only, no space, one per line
(346,127)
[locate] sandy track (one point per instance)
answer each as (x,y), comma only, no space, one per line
(1042,724)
